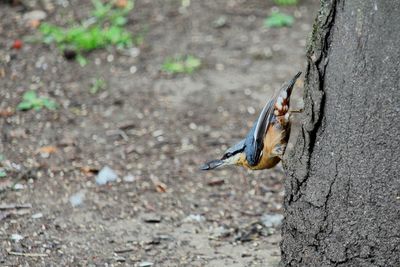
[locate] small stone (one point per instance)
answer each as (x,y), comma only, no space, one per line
(106,175)
(133,69)
(19,186)
(77,199)
(251,110)
(219,67)
(272,220)
(37,215)
(193,126)
(157,133)
(110,58)
(194,218)
(129,178)
(16,237)
(119,259)
(220,22)
(35,15)
(220,232)
(145,264)
(134,52)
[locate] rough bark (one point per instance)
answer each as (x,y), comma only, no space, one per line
(342,202)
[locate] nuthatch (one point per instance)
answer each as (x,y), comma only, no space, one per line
(266,142)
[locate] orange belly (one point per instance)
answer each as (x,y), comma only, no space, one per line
(276,134)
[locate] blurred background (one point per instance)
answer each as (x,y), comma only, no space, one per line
(107,110)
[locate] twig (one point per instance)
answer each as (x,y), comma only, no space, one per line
(15,206)
(27,254)
(296,111)
(123,250)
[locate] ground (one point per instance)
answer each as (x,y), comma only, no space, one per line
(157,128)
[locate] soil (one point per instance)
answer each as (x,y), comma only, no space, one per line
(157,128)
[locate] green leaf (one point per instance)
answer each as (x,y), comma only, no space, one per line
(173,67)
(192,64)
(186,64)
(24,105)
(81,60)
(286,2)
(3,173)
(98,84)
(278,20)
(120,21)
(100,9)
(29,95)
(50,104)
(32,101)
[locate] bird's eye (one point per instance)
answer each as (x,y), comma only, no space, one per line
(227,155)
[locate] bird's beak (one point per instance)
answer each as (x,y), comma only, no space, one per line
(212,164)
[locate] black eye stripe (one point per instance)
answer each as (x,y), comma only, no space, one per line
(230,154)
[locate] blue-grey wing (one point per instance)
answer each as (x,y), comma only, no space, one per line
(255,139)
(263,121)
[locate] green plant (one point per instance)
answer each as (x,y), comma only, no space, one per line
(3,173)
(30,100)
(181,64)
(278,20)
(97,85)
(104,28)
(286,2)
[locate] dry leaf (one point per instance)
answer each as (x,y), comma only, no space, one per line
(161,187)
(121,3)
(216,182)
(47,149)
(6,112)
(89,171)
(34,24)
(2,72)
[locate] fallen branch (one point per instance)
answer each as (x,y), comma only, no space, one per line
(15,206)
(27,254)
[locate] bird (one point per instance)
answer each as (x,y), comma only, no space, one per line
(266,142)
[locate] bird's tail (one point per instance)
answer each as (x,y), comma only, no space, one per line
(282,100)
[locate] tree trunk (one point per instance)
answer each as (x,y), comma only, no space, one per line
(342,202)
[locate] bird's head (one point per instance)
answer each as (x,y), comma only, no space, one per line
(235,155)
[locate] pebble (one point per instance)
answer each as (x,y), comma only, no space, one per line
(194,218)
(145,264)
(119,259)
(110,58)
(220,22)
(106,175)
(37,215)
(133,69)
(129,178)
(134,52)
(220,232)
(272,220)
(19,186)
(77,199)
(35,15)
(16,237)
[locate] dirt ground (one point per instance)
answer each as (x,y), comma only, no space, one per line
(156,128)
